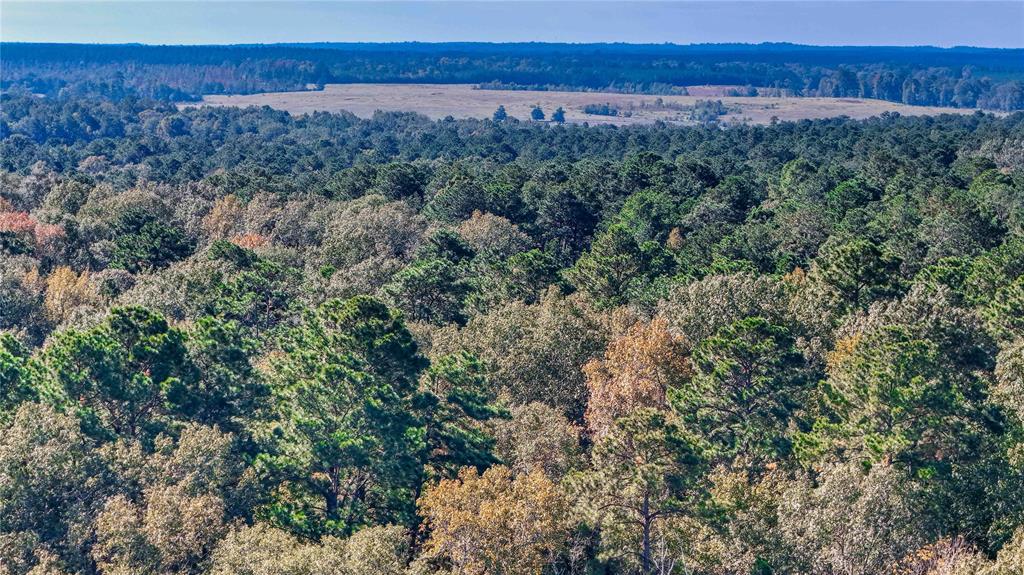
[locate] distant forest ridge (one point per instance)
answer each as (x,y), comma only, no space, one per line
(961,76)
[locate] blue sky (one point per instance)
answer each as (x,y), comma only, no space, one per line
(920,22)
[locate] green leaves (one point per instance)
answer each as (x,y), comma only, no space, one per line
(645,476)
(143,242)
(17,376)
(430,290)
(615,264)
(228,391)
(349,438)
(434,287)
(750,383)
(128,376)
(893,397)
(859,272)
(1005,314)
(458,402)
(134,376)
(848,195)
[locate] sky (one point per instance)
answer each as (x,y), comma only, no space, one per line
(822,22)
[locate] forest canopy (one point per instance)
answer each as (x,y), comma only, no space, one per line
(237,341)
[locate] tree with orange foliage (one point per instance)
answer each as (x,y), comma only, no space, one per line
(637,371)
(21,230)
(494,523)
(250,241)
(17,223)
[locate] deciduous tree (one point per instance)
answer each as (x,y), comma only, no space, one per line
(495,523)
(638,370)
(66,291)
(538,437)
(535,352)
(52,483)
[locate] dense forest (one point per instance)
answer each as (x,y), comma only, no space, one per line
(243,342)
(959,77)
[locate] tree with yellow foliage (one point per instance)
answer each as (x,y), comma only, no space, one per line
(637,371)
(494,523)
(66,291)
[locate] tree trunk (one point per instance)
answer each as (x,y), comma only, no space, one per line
(646,558)
(332,495)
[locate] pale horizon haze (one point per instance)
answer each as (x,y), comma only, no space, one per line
(865,23)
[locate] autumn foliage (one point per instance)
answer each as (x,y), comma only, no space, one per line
(495,523)
(636,371)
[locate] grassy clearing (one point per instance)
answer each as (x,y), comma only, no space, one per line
(465,101)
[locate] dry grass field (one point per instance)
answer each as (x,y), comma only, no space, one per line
(465,101)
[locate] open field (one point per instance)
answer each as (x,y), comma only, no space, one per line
(465,101)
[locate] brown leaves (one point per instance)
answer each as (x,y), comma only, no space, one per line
(224,218)
(637,370)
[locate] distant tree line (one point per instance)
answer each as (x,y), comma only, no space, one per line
(958,77)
